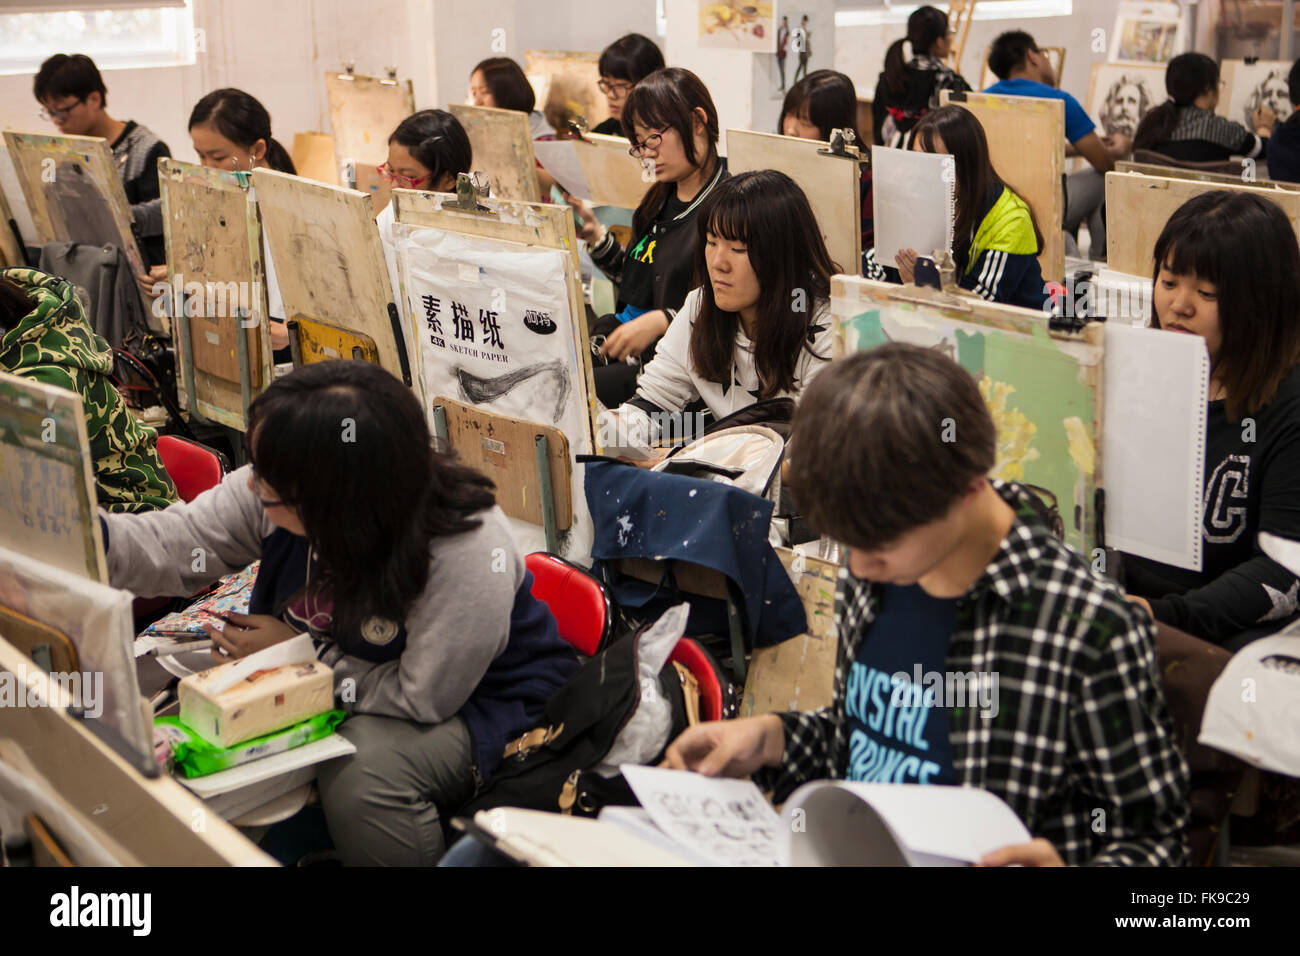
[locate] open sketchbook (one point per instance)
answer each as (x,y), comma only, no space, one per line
(913,199)
(688,819)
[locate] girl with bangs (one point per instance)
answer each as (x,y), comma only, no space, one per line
(673,125)
(1227,268)
(758,326)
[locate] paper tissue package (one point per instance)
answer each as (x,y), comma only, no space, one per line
(258,703)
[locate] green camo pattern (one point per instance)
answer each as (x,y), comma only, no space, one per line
(55,344)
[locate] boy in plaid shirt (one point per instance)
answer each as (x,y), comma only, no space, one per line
(1058,709)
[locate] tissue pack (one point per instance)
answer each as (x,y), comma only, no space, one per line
(261,703)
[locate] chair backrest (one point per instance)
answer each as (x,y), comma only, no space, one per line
(712,693)
(193,467)
(1150,156)
(582,608)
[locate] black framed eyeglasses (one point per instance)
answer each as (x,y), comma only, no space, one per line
(56,116)
(609,88)
(650,142)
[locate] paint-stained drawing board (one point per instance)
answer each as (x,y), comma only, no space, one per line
(614,177)
(364,111)
(565,82)
(502,142)
(73,191)
(832,184)
(218,279)
(329,261)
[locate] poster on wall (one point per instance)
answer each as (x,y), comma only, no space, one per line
(738,25)
(1147,33)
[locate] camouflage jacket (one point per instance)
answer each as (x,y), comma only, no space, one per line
(55,344)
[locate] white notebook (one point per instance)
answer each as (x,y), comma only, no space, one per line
(913,201)
(1155,396)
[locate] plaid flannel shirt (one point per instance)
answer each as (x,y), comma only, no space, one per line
(1081,746)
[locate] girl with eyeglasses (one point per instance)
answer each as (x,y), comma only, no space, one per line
(624,64)
(673,125)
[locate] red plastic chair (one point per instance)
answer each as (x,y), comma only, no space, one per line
(584,614)
(193,467)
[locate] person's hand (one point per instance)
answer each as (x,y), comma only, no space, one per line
(906,262)
(635,336)
(279,334)
(656,455)
(1143,602)
(592,232)
(1265,118)
(148,280)
(728,748)
(245,634)
(1037,853)
(1117,144)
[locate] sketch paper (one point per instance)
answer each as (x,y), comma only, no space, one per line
(1119,95)
(559,157)
(912,196)
(1155,386)
(1248,86)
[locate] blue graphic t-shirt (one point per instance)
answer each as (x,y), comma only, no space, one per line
(896,718)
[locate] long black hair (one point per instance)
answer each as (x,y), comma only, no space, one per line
(768,212)
(508,83)
(1187,77)
(963,137)
(437,142)
(668,98)
(1244,244)
(830,101)
(925,27)
(243,120)
(346,445)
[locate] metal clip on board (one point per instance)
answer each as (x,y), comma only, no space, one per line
(470,187)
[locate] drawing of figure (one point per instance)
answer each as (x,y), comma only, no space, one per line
(782,47)
(1272,92)
(801,39)
(1127,101)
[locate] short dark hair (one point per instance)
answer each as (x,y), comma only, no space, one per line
(1293,84)
(831,101)
(1009,51)
(15,304)
(868,457)
(64,75)
(437,141)
(1244,244)
(632,57)
(510,87)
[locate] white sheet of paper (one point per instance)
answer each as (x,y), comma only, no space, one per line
(1155,396)
(728,822)
(559,157)
(912,199)
(255,771)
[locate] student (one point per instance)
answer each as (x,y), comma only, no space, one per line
(623,64)
(672,122)
(996,240)
(500,83)
(1284,144)
(823,101)
(910,84)
(231,130)
(1023,70)
(407,577)
(950,573)
(73,97)
(1227,268)
(44,336)
(758,327)
(1185,126)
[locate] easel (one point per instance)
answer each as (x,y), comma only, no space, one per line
(502,142)
(364,111)
(1200,175)
(11,246)
(831,181)
(614,177)
(570,76)
(1026,138)
(960,14)
(214,253)
(330,267)
(74,194)
(1235,75)
(313,157)
(1138,207)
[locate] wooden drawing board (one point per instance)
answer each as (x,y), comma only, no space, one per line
(568,82)
(329,261)
(614,177)
(503,449)
(364,111)
(47,485)
(833,185)
(1121,94)
(157,820)
(1043,390)
(10,253)
(73,191)
(214,261)
(1247,86)
(502,142)
(313,157)
(1201,175)
(366,179)
(798,674)
(1026,138)
(1138,206)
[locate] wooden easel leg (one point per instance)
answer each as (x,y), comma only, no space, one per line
(295,343)
(548,493)
(182,322)
(245,387)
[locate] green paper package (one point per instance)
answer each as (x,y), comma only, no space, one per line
(193,756)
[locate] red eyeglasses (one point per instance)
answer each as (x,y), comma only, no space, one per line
(406,182)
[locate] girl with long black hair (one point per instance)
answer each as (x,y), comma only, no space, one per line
(1185,126)
(396,560)
(914,75)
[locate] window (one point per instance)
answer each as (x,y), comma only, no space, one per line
(870,14)
(137,36)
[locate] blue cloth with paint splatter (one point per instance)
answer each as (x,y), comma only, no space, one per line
(648,514)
